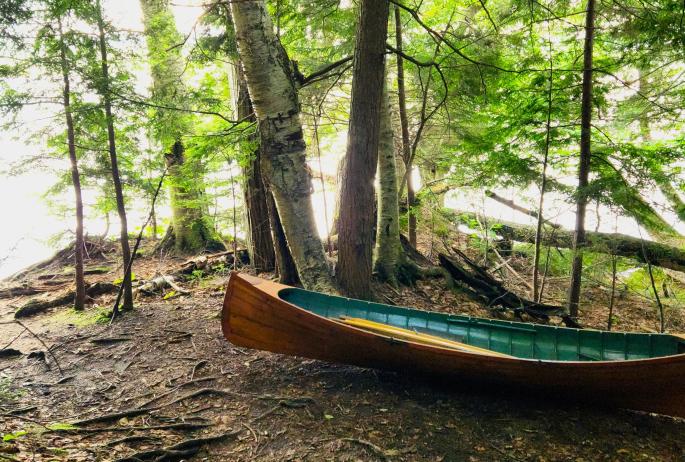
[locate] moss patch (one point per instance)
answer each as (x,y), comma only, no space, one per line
(88,317)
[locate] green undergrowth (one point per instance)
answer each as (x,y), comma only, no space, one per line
(8,391)
(88,317)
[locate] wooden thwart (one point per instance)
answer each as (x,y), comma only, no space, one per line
(425,339)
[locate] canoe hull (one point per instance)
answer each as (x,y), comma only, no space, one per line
(255,317)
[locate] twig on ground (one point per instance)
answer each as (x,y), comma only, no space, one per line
(368,444)
(198,365)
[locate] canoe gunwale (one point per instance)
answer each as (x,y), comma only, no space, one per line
(274,290)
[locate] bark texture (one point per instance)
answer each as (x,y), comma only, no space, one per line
(355,233)
(388,245)
(191,230)
(114,163)
(584,165)
(260,242)
(283,163)
(285,265)
(80,293)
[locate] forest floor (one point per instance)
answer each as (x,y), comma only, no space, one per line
(169,358)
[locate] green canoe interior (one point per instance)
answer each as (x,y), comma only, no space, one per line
(523,340)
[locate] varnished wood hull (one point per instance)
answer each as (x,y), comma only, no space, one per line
(255,317)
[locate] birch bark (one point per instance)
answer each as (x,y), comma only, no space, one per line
(276,106)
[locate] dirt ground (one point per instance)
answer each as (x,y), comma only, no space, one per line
(170,359)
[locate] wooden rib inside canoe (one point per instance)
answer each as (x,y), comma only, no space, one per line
(639,371)
(417,337)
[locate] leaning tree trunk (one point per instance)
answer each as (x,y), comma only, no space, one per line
(355,228)
(191,230)
(584,166)
(121,207)
(276,105)
(261,245)
(388,245)
(80,294)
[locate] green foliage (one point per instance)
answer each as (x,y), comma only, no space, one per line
(118,281)
(7,391)
(7,437)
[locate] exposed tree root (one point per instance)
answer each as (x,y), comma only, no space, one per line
(114,416)
(184,449)
(173,426)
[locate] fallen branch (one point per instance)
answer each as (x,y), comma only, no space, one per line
(368,444)
(514,206)
(487,289)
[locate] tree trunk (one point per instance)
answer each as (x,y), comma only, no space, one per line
(537,293)
(285,265)
(388,245)
(80,294)
(121,208)
(355,233)
(584,166)
(261,246)
(404,124)
(191,228)
(283,162)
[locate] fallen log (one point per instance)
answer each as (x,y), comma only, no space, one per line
(37,306)
(19,291)
(621,245)
(483,287)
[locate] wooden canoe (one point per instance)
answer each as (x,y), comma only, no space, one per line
(630,370)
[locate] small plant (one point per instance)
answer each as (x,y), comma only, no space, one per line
(118,281)
(196,275)
(7,392)
(220,268)
(7,437)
